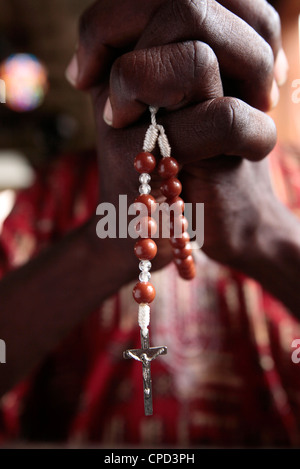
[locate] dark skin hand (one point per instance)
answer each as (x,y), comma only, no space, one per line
(182,70)
(131,54)
(186,56)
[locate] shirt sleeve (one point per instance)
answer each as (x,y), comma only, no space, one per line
(62,197)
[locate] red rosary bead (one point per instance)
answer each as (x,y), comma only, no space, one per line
(186,267)
(168,167)
(147,200)
(188,274)
(182,253)
(144,162)
(145,249)
(144,292)
(146,227)
(180,242)
(176,204)
(184,264)
(171,187)
(178,225)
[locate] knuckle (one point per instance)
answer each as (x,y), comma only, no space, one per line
(236,123)
(189,10)
(224,113)
(230,107)
(270,26)
(262,63)
(266,63)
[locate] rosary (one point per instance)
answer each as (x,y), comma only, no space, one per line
(146,249)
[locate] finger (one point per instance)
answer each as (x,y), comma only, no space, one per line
(171,77)
(111,26)
(261,16)
(222,126)
(106,29)
(266,21)
(243,55)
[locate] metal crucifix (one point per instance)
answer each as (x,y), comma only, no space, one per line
(145,355)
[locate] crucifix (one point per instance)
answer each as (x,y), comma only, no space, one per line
(145,355)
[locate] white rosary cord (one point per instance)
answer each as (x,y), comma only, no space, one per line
(156,133)
(144,318)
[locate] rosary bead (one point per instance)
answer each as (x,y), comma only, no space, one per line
(147,200)
(188,274)
(178,225)
(144,162)
(171,187)
(145,266)
(144,292)
(145,249)
(182,253)
(184,264)
(144,276)
(145,178)
(146,227)
(180,242)
(177,204)
(168,167)
(144,189)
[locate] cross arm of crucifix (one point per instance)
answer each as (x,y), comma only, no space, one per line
(145,355)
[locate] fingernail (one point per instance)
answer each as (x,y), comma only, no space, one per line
(275,95)
(281,68)
(72,70)
(108,113)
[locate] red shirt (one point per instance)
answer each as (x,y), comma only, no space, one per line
(228,378)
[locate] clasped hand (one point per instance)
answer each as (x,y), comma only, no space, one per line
(211,68)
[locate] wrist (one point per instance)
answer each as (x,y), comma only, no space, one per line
(276,237)
(114,256)
(273,258)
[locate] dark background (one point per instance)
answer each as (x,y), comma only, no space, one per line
(47,29)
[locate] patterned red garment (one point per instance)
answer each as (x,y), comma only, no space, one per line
(228,378)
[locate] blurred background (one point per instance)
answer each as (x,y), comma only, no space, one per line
(50,116)
(47,29)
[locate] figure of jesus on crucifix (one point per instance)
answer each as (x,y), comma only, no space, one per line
(145,355)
